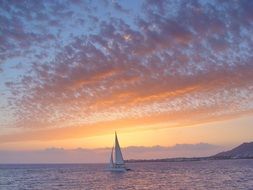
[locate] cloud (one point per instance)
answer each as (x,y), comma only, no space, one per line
(119,8)
(196,59)
(101,155)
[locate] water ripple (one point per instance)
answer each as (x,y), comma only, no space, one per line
(225,175)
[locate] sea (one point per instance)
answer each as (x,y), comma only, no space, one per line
(212,174)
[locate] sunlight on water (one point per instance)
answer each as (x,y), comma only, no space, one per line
(226,174)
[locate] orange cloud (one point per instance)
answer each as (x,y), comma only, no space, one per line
(189,67)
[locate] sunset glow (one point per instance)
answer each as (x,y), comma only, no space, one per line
(157,72)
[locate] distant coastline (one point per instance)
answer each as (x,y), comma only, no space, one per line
(243,151)
(183,159)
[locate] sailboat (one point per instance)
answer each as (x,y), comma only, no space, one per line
(117,164)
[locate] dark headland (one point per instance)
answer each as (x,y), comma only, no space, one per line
(243,151)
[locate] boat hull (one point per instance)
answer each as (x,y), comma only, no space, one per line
(116,169)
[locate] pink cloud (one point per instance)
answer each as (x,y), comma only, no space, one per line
(166,63)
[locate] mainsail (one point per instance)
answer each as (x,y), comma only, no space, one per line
(118,155)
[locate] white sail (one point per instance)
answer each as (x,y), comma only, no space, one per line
(117,162)
(118,155)
(111,160)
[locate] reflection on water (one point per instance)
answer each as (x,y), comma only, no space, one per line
(223,174)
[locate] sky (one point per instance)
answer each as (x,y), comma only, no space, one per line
(157,72)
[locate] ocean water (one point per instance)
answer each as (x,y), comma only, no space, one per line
(220,174)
